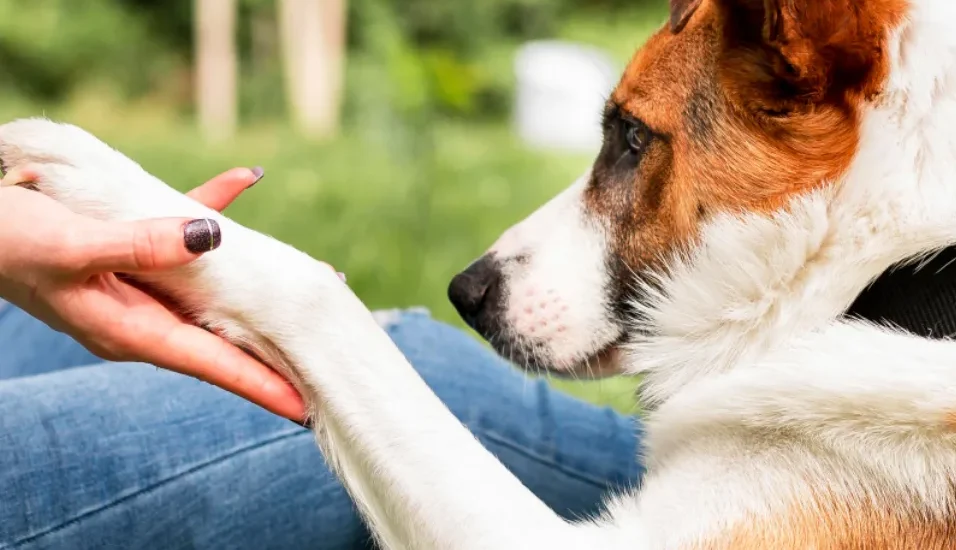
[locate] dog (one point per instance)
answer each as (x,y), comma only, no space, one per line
(763,162)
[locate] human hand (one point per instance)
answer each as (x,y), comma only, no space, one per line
(61,267)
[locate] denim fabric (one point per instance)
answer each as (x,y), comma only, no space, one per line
(106,455)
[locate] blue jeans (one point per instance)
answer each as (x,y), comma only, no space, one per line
(113,455)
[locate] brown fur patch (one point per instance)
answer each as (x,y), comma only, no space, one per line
(829,522)
(950,421)
(746,114)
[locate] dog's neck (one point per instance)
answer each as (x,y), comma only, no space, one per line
(754,283)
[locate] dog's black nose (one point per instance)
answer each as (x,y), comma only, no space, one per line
(473,290)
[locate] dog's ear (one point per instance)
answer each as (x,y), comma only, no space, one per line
(681,10)
(800,52)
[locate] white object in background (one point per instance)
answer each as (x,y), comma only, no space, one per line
(561,90)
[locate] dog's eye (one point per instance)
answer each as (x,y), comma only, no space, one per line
(638,136)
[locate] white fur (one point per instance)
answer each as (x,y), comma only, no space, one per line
(552,265)
(758,385)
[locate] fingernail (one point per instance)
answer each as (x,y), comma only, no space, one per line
(202,235)
(343,277)
(258,172)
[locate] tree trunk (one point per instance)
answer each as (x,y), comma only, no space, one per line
(313,51)
(216,67)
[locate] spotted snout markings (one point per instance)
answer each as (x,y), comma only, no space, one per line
(540,312)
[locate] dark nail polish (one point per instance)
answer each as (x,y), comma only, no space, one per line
(202,235)
(258,172)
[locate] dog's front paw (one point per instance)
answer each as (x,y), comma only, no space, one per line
(255,291)
(40,140)
(83,173)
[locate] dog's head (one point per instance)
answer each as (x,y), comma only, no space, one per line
(734,106)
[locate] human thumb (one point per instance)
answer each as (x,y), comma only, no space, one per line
(149,245)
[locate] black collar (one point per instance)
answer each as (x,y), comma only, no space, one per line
(920,298)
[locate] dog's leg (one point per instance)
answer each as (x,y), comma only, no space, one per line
(885,398)
(421,479)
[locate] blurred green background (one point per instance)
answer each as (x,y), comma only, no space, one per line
(425,170)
